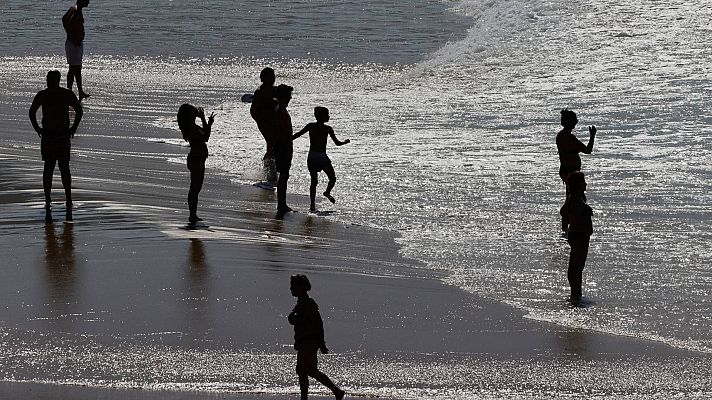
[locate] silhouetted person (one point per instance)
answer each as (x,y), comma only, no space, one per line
(73,21)
(197,137)
(317,160)
(308,337)
(283,149)
(569,148)
(578,214)
(262,110)
(56,135)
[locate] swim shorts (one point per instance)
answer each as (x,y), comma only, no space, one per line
(317,161)
(283,157)
(74,52)
(56,150)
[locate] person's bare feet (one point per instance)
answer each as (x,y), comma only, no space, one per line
(330,197)
(83,96)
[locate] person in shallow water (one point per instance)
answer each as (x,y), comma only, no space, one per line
(197,137)
(262,110)
(569,147)
(73,22)
(283,149)
(56,135)
(317,160)
(578,214)
(308,337)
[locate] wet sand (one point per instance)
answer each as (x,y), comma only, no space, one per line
(126,297)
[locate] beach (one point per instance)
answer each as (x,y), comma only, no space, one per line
(440,271)
(126,302)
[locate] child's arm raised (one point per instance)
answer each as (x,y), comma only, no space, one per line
(337,141)
(303,131)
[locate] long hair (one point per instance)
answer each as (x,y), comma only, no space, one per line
(186,119)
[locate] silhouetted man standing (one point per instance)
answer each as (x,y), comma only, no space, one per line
(283,148)
(73,21)
(56,134)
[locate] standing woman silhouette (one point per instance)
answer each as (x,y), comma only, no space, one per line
(197,137)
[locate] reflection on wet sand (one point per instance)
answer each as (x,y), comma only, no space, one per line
(197,283)
(60,264)
(576,341)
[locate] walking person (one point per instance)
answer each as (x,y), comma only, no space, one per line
(73,22)
(569,147)
(317,160)
(56,134)
(198,137)
(308,337)
(578,214)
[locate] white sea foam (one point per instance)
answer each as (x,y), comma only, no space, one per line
(457,154)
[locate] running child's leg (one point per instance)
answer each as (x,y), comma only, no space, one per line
(329,171)
(312,189)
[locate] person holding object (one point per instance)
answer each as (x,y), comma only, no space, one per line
(263,108)
(56,134)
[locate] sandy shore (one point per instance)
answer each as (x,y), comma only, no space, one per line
(127,298)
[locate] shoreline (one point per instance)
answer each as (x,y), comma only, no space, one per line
(125,277)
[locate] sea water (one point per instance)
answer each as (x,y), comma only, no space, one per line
(452,109)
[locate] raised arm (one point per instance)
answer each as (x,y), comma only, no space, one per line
(206,124)
(592,133)
(36,103)
(303,131)
(337,141)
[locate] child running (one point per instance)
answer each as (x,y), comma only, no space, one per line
(317,160)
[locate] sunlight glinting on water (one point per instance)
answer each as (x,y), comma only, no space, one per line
(457,154)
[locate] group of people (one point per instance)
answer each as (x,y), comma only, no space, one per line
(575,213)
(269,110)
(55,131)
